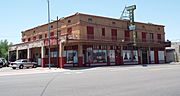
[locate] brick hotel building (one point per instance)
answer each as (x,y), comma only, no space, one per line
(90,40)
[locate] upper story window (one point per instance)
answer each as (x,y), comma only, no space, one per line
(143,26)
(52,34)
(90,32)
(159,36)
(51,26)
(40,36)
(127,35)
(113,22)
(29,39)
(144,36)
(34,32)
(103,31)
(34,38)
(90,20)
(69,21)
(23,40)
(151,36)
(114,34)
(159,28)
(69,30)
(46,35)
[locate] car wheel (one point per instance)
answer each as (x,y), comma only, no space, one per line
(21,67)
(13,67)
(34,66)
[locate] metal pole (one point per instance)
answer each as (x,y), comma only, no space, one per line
(57,44)
(49,51)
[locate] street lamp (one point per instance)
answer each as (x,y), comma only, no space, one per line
(49,51)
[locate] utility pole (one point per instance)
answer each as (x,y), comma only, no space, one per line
(49,49)
(57,38)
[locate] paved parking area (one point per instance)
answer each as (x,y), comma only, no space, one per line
(7,71)
(136,80)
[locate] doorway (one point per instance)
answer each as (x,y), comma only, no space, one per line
(144,57)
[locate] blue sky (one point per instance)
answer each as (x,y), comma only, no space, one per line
(19,15)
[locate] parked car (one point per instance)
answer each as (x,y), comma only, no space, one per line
(21,63)
(1,64)
(4,61)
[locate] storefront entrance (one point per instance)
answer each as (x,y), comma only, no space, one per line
(144,57)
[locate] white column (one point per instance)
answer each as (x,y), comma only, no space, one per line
(28,53)
(17,54)
(42,52)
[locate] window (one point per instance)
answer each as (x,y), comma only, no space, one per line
(34,32)
(103,31)
(69,30)
(51,26)
(34,38)
(52,34)
(71,56)
(143,26)
(90,32)
(46,35)
(29,39)
(143,36)
(159,36)
(40,36)
(114,34)
(89,19)
(127,35)
(23,40)
(69,21)
(113,22)
(151,36)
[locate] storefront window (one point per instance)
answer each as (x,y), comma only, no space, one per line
(130,56)
(96,56)
(54,54)
(111,55)
(99,56)
(89,55)
(71,56)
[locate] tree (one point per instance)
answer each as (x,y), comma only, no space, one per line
(4,45)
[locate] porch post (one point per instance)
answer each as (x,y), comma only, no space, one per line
(42,57)
(61,58)
(80,55)
(28,54)
(17,54)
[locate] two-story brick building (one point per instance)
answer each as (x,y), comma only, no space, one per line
(88,40)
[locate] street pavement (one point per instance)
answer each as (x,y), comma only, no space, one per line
(153,80)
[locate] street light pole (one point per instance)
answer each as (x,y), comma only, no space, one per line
(49,51)
(57,38)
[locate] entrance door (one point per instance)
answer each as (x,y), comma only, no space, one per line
(144,57)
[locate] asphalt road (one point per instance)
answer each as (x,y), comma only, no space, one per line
(163,80)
